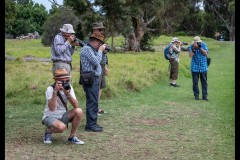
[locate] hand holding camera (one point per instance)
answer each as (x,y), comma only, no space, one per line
(104,48)
(70,39)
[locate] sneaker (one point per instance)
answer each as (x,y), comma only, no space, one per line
(75,140)
(47,138)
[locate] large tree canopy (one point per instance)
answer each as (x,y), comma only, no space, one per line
(29,17)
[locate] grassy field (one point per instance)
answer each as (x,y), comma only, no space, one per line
(145,119)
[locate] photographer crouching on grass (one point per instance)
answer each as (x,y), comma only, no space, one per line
(56,115)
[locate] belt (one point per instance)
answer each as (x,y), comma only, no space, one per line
(55,61)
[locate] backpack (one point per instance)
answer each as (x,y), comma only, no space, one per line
(167,52)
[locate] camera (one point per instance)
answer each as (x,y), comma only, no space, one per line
(81,43)
(108,48)
(66,85)
(199,44)
(184,43)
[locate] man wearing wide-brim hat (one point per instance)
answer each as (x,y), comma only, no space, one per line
(174,50)
(198,52)
(90,58)
(63,47)
(98,27)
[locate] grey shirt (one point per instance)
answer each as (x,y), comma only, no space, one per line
(174,52)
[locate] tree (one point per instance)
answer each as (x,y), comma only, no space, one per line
(29,18)
(10,15)
(53,24)
(224,13)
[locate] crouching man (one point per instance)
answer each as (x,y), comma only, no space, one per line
(56,115)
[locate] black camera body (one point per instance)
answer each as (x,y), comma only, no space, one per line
(81,43)
(108,48)
(199,44)
(184,43)
(66,85)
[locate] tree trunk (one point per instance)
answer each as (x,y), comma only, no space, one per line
(133,39)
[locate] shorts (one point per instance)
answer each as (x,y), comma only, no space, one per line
(48,121)
(102,81)
(60,65)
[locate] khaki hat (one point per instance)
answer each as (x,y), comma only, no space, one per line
(61,73)
(98,25)
(197,39)
(175,39)
(67,28)
(98,36)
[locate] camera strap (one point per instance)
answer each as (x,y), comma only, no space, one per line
(63,102)
(61,98)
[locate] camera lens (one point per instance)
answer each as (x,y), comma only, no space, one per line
(65,85)
(107,48)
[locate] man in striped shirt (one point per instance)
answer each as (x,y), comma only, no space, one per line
(198,51)
(63,47)
(90,58)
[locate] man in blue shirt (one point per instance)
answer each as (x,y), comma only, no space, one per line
(198,51)
(90,58)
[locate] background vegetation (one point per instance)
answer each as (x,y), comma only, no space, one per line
(145,119)
(139,21)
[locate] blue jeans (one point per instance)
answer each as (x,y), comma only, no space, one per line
(92,93)
(203,79)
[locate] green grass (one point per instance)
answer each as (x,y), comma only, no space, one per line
(145,119)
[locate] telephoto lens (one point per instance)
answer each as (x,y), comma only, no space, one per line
(81,43)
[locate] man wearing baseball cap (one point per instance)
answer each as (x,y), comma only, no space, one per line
(90,58)
(56,115)
(63,47)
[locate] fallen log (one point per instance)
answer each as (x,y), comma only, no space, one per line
(28,59)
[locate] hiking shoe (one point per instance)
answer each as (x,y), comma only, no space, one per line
(75,140)
(101,111)
(95,128)
(174,85)
(196,98)
(205,99)
(47,138)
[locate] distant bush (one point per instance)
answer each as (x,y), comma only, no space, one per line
(181,33)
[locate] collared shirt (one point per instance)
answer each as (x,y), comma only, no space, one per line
(61,49)
(174,51)
(199,60)
(90,59)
